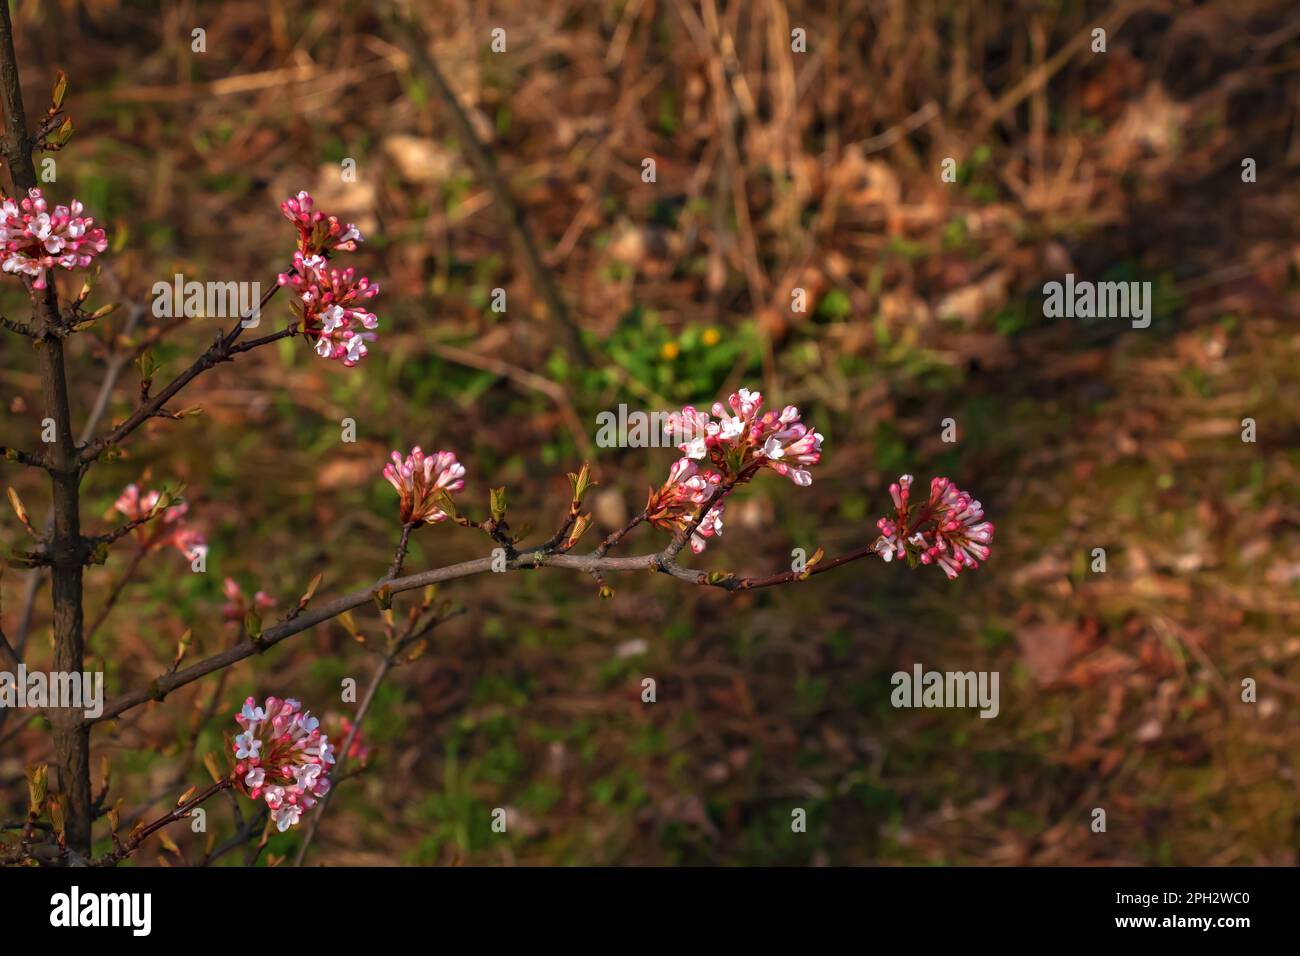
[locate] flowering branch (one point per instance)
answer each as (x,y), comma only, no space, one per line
(282,758)
(68,241)
(948,529)
(141,512)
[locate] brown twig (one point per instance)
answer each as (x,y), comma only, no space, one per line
(221,350)
(118,587)
(385,665)
(20,327)
(661,561)
(414,41)
(22,457)
(181,811)
(399,558)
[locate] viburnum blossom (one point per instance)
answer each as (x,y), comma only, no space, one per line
(948,529)
(238,604)
(329,304)
(34,239)
(673,505)
(318,234)
(742,440)
(167,528)
(738,444)
(418,479)
(281,757)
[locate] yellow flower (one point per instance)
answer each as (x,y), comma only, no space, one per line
(670,350)
(710,337)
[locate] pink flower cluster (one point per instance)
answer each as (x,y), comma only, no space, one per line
(238,604)
(318,233)
(329,304)
(165,529)
(738,444)
(948,529)
(672,507)
(419,477)
(281,757)
(34,240)
(742,440)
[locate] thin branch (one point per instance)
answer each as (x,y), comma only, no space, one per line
(414,41)
(22,457)
(417,627)
(181,811)
(663,562)
(385,665)
(122,530)
(616,536)
(220,351)
(118,587)
(287,332)
(8,649)
(399,558)
(21,328)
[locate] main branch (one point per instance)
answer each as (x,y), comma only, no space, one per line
(71,737)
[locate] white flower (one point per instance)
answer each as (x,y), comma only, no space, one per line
(246,746)
(286,816)
(305,774)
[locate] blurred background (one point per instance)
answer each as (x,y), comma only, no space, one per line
(775,170)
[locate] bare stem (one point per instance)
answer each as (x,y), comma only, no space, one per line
(414,41)
(662,562)
(399,558)
(616,536)
(180,812)
(220,351)
(385,665)
(118,587)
